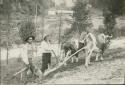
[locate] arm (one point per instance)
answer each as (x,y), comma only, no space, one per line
(23,55)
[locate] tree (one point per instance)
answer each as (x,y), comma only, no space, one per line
(5,9)
(109,21)
(111,9)
(23,9)
(81,16)
(117,7)
(27,29)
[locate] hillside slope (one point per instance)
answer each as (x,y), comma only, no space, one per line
(109,71)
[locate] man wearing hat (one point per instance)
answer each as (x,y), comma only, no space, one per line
(28,53)
(46,53)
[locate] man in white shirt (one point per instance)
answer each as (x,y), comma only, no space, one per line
(28,53)
(46,53)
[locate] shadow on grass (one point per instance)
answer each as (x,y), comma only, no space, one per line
(69,67)
(7,71)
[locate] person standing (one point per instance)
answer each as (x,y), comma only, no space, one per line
(28,52)
(46,53)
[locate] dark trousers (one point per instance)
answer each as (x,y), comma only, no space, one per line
(46,60)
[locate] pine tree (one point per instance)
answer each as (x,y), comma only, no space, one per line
(111,10)
(109,21)
(81,16)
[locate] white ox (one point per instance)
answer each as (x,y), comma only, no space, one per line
(95,44)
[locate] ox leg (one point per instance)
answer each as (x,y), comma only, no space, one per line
(49,66)
(77,59)
(65,58)
(98,52)
(87,59)
(101,58)
(97,57)
(72,60)
(65,64)
(86,55)
(67,55)
(102,51)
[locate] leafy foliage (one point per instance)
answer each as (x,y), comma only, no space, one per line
(111,9)
(5,7)
(27,29)
(117,7)
(15,11)
(26,6)
(81,16)
(109,22)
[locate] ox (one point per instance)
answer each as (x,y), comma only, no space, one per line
(91,43)
(96,44)
(67,49)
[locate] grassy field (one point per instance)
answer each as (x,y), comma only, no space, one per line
(109,71)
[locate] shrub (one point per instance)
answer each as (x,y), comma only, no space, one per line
(27,29)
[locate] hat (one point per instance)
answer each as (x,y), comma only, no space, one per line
(45,36)
(29,37)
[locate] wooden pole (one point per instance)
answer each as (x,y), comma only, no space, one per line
(22,70)
(43,22)
(8,29)
(124,78)
(55,56)
(0,45)
(60,18)
(61,64)
(36,16)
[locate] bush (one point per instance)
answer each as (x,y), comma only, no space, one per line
(117,32)
(27,29)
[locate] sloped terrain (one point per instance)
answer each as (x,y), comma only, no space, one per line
(109,71)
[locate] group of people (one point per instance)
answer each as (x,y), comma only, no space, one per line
(28,53)
(88,41)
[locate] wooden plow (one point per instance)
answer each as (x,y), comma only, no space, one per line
(62,63)
(19,72)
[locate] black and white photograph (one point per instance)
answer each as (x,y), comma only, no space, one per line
(49,42)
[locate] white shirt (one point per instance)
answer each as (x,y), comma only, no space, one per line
(24,53)
(45,47)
